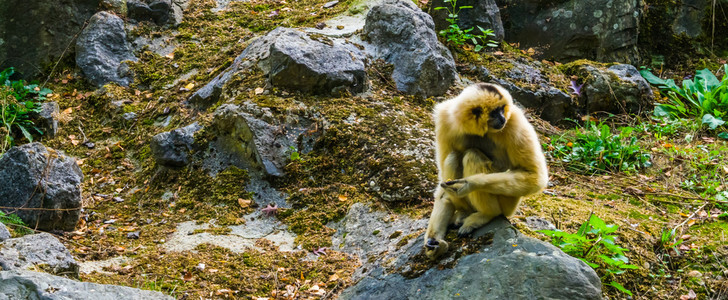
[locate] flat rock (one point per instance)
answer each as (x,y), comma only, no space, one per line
(34,285)
(42,250)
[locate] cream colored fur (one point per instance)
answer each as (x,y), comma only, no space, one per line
(483,172)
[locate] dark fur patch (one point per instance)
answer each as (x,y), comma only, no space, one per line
(488,88)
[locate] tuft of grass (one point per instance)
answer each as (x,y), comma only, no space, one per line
(14,223)
(19,100)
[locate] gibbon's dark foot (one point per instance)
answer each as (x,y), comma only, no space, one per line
(432,243)
(454,226)
(465,231)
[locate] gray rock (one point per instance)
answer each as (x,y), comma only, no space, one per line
(321,66)
(536,223)
(102,49)
(48,118)
(171,148)
(41,249)
(405,37)
(602,30)
(512,266)
(485,13)
(374,236)
(4,232)
(116,6)
(35,177)
(34,285)
(619,89)
(129,116)
(36,33)
(157,12)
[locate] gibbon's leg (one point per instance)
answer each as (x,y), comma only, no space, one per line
(508,204)
(485,204)
(442,213)
(435,244)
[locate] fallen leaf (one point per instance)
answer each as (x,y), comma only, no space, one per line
(244,203)
(190,86)
(187,276)
(170,56)
(259,90)
(343,198)
(691,295)
(498,53)
(686,237)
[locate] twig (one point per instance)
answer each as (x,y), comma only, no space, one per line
(64,52)
(690,217)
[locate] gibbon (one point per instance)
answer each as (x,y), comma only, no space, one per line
(488,157)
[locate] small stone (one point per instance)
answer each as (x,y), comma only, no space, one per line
(331,4)
(340,27)
(118,199)
(320,25)
(133,235)
(129,116)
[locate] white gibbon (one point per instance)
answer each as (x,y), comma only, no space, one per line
(488,157)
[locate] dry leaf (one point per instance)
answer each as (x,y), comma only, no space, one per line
(244,203)
(190,86)
(498,53)
(188,276)
(170,56)
(259,91)
(343,198)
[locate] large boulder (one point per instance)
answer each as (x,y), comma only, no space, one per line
(34,285)
(37,250)
(404,36)
(318,66)
(510,266)
(485,13)
(616,89)
(157,12)
(602,30)
(42,186)
(171,148)
(102,51)
(293,60)
(4,232)
(34,34)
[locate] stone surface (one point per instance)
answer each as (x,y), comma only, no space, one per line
(602,30)
(36,33)
(513,266)
(48,118)
(102,49)
(42,250)
(116,6)
(157,12)
(374,236)
(4,232)
(327,67)
(619,89)
(34,285)
(485,13)
(404,36)
(171,148)
(36,177)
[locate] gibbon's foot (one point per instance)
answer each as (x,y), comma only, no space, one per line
(458,187)
(465,231)
(435,248)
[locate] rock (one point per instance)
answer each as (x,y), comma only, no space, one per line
(404,36)
(34,285)
(36,33)
(116,6)
(102,49)
(33,250)
(373,235)
(323,66)
(171,148)
(129,116)
(157,12)
(536,223)
(4,232)
(36,177)
(619,89)
(602,30)
(293,60)
(250,142)
(512,266)
(47,120)
(484,13)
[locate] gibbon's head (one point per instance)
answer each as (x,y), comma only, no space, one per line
(483,107)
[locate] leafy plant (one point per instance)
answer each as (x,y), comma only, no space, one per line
(595,245)
(18,101)
(704,97)
(595,149)
(457,36)
(14,222)
(294,154)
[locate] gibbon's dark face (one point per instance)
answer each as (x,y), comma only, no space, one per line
(483,108)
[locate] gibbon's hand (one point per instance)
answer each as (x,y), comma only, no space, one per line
(458,187)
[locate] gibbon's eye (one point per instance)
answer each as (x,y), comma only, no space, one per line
(496,118)
(477,112)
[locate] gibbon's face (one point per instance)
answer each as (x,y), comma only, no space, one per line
(483,107)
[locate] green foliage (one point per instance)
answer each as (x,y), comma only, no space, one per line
(704,97)
(295,156)
(456,36)
(595,149)
(18,101)
(594,244)
(14,222)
